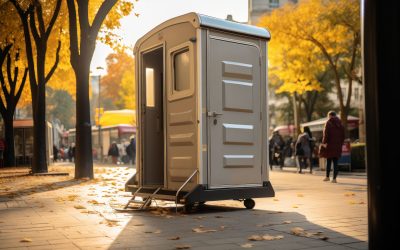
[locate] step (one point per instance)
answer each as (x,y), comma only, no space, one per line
(156,196)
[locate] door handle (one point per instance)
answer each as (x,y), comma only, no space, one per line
(213,114)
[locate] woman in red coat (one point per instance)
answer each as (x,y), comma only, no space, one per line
(332,142)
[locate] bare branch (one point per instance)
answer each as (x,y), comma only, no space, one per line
(39,13)
(51,72)
(104,9)
(28,43)
(10,81)
(73,32)
(21,86)
(53,18)
(34,30)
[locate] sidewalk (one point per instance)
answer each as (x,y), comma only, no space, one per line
(56,212)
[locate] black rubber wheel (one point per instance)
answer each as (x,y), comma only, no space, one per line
(187,208)
(249,203)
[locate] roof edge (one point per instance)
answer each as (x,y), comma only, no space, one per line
(200,20)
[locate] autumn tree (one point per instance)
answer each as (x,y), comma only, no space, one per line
(61,106)
(38,21)
(11,88)
(127,92)
(118,84)
(294,67)
(333,28)
(84,27)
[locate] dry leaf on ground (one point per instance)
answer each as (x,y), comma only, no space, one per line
(203,230)
(26,240)
(183,246)
(247,245)
(255,238)
(297,231)
(270,237)
(79,207)
(174,238)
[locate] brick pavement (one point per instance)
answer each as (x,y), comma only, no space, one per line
(62,213)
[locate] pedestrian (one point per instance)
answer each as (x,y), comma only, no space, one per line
(276,148)
(131,150)
(2,148)
(113,151)
(303,150)
(311,142)
(71,152)
(332,141)
(55,153)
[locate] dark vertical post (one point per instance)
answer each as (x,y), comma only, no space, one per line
(381,73)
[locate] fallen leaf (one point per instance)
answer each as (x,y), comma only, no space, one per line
(300,195)
(270,237)
(138,225)
(72,197)
(183,246)
(199,217)
(255,238)
(26,240)
(79,207)
(287,222)
(275,199)
(349,194)
(94,202)
(295,206)
(174,238)
(203,230)
(297,231)
(219,216)
(324,238)
(247,245)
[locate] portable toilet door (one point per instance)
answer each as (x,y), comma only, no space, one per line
(234,111)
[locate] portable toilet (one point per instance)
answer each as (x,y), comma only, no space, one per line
(201,85)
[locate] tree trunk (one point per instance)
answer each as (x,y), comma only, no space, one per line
(39,164)
(296,113)
(83,152)
(9,154)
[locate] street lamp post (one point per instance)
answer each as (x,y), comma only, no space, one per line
(98,118)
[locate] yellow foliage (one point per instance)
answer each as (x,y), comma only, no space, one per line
(303,35)
(127,90)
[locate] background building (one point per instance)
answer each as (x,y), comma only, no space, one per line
(257,8)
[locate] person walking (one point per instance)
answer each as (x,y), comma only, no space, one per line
(331,147)
(311,142)
(303,150)
(131,150)
(113,151)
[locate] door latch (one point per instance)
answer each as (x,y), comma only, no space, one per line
(213,114)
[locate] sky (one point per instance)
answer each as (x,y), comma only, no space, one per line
(154,12)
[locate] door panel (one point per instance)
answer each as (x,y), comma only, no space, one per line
(233,78)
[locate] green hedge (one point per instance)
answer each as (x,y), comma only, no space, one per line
(358,156)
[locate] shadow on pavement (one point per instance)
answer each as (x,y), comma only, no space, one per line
(44,187)
(222,227)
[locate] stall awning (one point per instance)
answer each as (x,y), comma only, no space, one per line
(115,117)
(318,125)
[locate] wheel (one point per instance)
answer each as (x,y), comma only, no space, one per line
(187,208)
(249,203)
